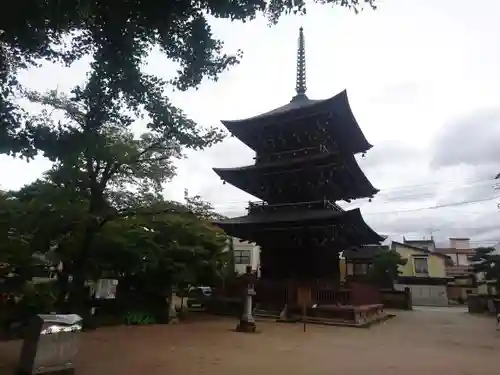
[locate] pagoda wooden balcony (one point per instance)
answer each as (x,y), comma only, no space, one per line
(288,155)
(261,207)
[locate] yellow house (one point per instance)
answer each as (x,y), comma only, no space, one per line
(424,273)
(420,262)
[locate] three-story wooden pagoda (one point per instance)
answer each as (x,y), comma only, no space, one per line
(304,164)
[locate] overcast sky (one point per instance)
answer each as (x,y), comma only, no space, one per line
(423,80)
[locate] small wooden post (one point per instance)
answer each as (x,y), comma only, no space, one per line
(304,300)
(304,312)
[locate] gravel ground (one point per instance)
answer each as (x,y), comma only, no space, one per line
(420,342)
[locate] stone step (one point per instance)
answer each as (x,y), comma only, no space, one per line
(266,313)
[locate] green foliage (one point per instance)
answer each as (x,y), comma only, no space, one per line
(166,245)
(13,233)
(183,248)
(385,269)
(200,208)
(95,152)
(486,261)
(139,318)
(223,264)
(38,298)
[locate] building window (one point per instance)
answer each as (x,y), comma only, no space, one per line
(421,266)
(242,257)
(360,268)
(349,270)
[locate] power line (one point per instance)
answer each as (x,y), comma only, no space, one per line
(416,187)
(455,204)
(435,207)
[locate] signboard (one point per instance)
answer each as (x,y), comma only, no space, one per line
(51,344)
(304,297)
(106,289)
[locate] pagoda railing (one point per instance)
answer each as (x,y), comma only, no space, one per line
(272,295)
(261,207)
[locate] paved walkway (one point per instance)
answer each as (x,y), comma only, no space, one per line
(446,309)
(420,342)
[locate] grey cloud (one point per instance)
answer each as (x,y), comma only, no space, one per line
(408,194)
(389,153)
(471,140)
(469,192)
(394,161)
(230,153)
(404,92)
(444,222)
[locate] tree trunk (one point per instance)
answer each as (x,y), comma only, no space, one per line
(78,297)
(63,289)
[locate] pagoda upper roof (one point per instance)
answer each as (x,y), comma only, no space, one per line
(296,105)
(343,122)
(317,217)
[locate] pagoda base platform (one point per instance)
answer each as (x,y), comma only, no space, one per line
(339,315)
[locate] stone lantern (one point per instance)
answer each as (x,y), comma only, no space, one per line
(247,321)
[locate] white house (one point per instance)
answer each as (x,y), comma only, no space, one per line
(246,254)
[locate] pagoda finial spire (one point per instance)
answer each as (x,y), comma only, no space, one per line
(300,86)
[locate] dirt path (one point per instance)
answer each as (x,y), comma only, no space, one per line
(421,342)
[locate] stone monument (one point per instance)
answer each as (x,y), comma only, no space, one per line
(50,345)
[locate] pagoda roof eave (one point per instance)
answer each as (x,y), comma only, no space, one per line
(338,103)
(237,176)
(294,107)
(278,163)
(264,222)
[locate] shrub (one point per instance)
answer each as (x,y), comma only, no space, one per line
(139,318)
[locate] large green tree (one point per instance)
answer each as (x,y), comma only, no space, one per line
(169,243)
(119,35)
(97,157)
(385,268)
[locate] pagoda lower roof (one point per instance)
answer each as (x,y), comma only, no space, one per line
(261,222)
(349,181)
(301,109)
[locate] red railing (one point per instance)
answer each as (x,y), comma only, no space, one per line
(323,292)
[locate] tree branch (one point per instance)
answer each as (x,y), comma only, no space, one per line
(150,148)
